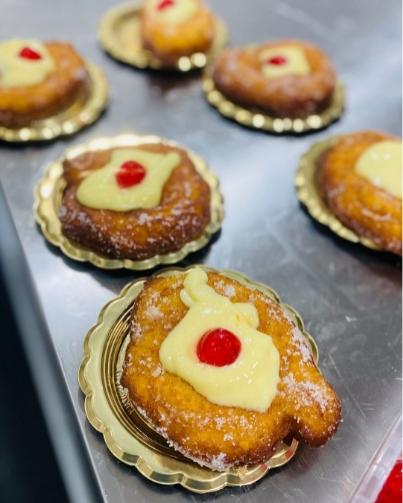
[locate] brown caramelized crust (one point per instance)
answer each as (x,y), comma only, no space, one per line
(170,41)
(181,216)
(362,206)
(21,105)
(305,406)
(237,75)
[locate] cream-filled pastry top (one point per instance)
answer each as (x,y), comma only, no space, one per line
(119,186)
(172,11)
(24,63)
(250,380)
(284,60)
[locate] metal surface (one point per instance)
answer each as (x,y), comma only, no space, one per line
(348,296)
(79,480)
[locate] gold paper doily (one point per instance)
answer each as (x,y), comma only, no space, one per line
(127,434)
(259,120)
(119,36)
(308,194)
(84,111)
(48,196)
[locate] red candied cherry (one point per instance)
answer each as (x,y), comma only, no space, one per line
(165,3)
(28,53)
(130,173)
(218,347)
(277,60)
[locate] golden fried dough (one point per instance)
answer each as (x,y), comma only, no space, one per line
(362,206)
(238,75)
(305,405)
(21,105)
(181,216)
(168,40)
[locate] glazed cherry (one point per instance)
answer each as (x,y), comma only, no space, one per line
(165,3)
(28,53)
(130,173)
(218,347)
(277,60)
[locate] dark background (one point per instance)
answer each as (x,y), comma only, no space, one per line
(28,469)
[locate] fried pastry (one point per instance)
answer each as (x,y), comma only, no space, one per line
(171,29)
(134,203)
(221,371)
(38,80)
(288,78)
(360,179)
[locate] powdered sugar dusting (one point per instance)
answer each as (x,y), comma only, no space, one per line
(217,462)
(220,422)
(153,312)
(143,218)
(300,341)
(306,393)
(157,371)
(136,332)
(229,290)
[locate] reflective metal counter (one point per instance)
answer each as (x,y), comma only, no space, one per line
(349,297)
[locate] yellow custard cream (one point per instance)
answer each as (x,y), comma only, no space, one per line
(381,164)
(101,191)
(173,11)
(251,380)
(295,61)
(16,71)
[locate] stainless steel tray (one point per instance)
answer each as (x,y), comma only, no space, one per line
(349,296)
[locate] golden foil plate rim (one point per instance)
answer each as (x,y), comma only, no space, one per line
(48,196)
(119,36)
(261,121)
(128,436)
(309,195)
(84,111)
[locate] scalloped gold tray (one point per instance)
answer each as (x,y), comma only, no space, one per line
(309,196)
(48,195)
(259,120)
(84,111)
(119,36)
(129,437)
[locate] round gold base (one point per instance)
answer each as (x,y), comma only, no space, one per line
(84,111)
(261,121)
(308,194)
(127,434)
(119,36)
(49,191)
